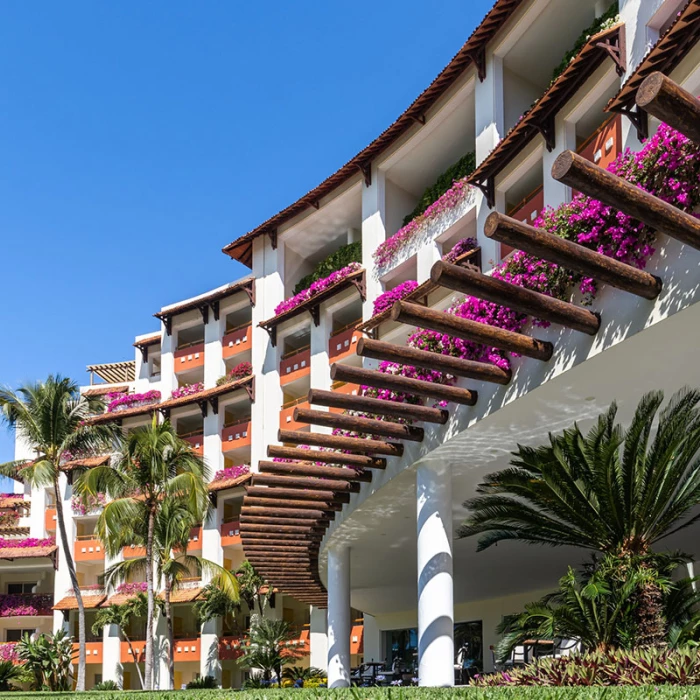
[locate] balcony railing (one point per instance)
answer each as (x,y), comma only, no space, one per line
(295,364)
(287,421)
(189,356)
(237,340)
(188,648)
(344,388)
(195,438)
(527,210)
(93,651)
(604,144)
(230,533)
(236,435)
(230,647)
(88,548)
(342,342)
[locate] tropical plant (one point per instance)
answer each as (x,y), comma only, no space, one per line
(11,675)
(214,604)
(152,466)
(268,648)
(49,660)
(297,673)
(51,418)
(106,685)
(254,588)
(203,683)
(121,616)
(346,254)
(611,490)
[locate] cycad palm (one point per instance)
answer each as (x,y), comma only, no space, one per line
(267,647)
(50,418)
(153,464)
(611,490)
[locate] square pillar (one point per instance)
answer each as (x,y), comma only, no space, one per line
(435,587)
(373,233)
(339,617)
(318,634)
(372,639)
(555,193)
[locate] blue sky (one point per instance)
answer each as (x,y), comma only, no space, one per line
(137,139)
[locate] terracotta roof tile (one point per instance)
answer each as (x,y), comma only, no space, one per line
(27,552)
(224,484)
(154,339)
(90,602)
(85,463)
(103,390)
(183,595)
(216,295)
(12,501)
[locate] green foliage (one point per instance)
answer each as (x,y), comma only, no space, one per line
(642,667)
(106,685)
(607,19)
(11,675)
(266,644)
(208,682)
(48,659)
(463,167)
(352,252)
(294,673)
(213,603)
(252,585)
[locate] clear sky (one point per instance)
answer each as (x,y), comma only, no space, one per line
(138,138)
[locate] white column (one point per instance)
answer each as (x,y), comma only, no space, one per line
(62,582)
(37,514)
(435,590)
(373,233)
(211,631)
(427,256)
(372,639)
(168,381)
(339,617)
(320,376)
(111,655)
(318,637)
(213,359)
(161,674)
(555,193)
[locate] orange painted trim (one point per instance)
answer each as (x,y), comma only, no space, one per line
(133,551)
(189,358)
(188,649)
(526,212)
(295,366)
(230,648)
(343,344)
(139,651)
(287,421)
(237,341)
(50,519)
(235,436)
(93,652)
(197,442)
(88,550)
(230,533)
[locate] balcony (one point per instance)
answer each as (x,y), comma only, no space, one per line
(236,435)
(230,648)
(237,340)
(295,364)
(195,539)
(93,652)
(188,648)
(188,357)
(344,388)
(139,655)
(50,519)
(132,551)
(230,533)
(88,548)
(604,144)
(196,439)
(342,342)
(526,211)
(287,421)
(26,604)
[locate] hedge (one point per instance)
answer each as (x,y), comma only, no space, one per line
(664,692)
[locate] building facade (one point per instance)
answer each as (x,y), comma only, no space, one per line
(379,576)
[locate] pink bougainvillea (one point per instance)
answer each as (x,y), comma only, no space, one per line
(84,504)
(240,371)
(387,251)
(387,299)
(125,401)
(232,472)
(317,287)
(459,248)
(26,543)
(132,588)
(8,651)
(187,390)
(25,604)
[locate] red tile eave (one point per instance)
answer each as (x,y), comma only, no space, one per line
(89,601)
(668,51)
(150,340)
(85,463)
(554,98)
(241,248)
(27,552)
(101,391)
(217,295)
(224,484)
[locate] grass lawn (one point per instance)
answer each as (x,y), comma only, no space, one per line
(530,693)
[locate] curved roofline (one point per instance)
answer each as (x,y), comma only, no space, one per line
(472,52)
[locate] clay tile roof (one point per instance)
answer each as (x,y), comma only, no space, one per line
(85,463)
(12,501)
(205,299)
(126,413)
(27,552)
(668,51)
(183,595)
(102,390)
(154,339)
(471,52)
(90,602)
(224,484)
(535,120)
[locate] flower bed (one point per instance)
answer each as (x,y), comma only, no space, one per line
(317,287)
(232,472)
(125,401)
(132,588)
(387,251)
(668,166)
(387,299)
(26,543)
(25,604)
(187,390)
(84,504)
(240,371)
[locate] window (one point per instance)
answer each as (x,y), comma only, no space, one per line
(18,588)
(16,635)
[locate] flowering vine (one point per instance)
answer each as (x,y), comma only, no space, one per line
(459,248)
(387,299)
(82,504)
(26,543)
(240,371)
(232,472)
(132,588)
(317,287)
(8,651)
(25,604)
(125,401)
(187,390)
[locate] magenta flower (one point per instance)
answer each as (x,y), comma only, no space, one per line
(389,298)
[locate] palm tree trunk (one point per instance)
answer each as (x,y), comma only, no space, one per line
(151,601)
(134,656)
(171,636)
(65,545)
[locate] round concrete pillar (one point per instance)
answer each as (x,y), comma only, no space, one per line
(339,617)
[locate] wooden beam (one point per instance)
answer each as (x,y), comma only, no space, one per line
(308,495)
(287,503)
(339,442)
(361,461)
(512,296)
(370,426)
(247,528)
(304,482)
(379,407)
(491,336)
(406,385)
(379,350)
(669,102)
(579,173)
(258,548)
(287,513)
(271,535)
(262,520)
(571,255)
(299,469)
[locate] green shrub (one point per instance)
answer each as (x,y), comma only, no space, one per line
(208,682)
(463,167)
(352,252)
(106,685)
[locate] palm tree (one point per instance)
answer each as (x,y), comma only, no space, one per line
(268,647)
(51,418)
(121,615)
(611,490)
(255,589)
(152,464)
